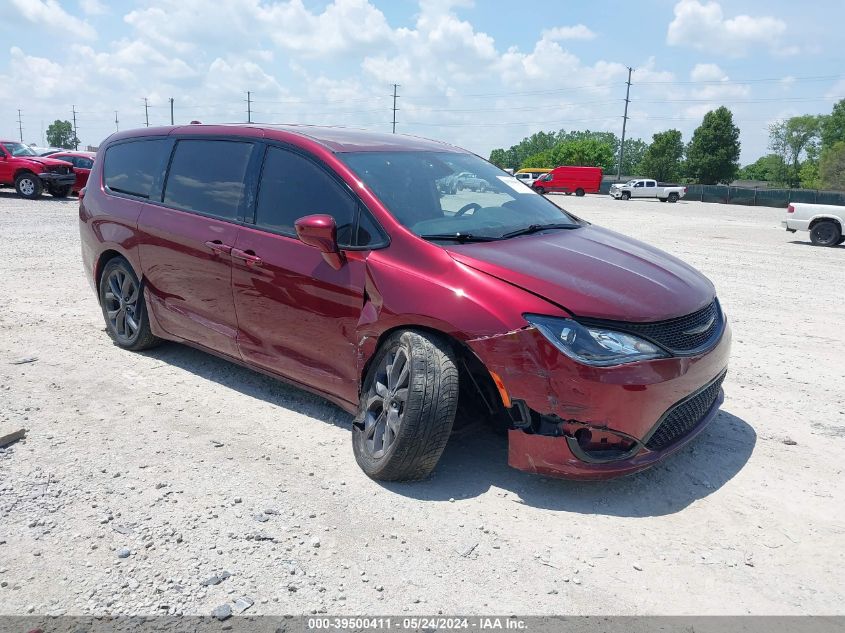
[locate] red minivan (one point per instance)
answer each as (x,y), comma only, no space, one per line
(338,260)
(577,180)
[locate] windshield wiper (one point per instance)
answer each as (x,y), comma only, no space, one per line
(535,228)
(459,237)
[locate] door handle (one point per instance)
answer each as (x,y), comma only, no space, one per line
(249,257)
(219,247)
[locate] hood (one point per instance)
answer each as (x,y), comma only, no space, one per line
(44,160)
(594,272)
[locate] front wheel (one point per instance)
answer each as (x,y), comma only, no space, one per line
(540,190)
(407,408)
(825,233)
(29,186)
(124,309)
(626,195)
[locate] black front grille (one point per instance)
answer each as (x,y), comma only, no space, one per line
(684,416)
(685,334)
(59,169)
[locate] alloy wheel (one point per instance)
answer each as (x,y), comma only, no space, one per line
(121,301)
(386,403)
(27,186)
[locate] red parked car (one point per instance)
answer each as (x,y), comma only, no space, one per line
(82,163)
(577,180)
(337,260)
(30,174)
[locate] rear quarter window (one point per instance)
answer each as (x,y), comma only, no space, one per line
(131,167)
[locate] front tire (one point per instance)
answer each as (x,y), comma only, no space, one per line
(540,190)
(626,195)
(124,308)
(825,233)
(29,186)
(407,409)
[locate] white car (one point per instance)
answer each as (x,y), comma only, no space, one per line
(647,188)
(825,222)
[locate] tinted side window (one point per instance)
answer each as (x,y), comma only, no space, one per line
(293,186)
(131,167)
(67,159)
(208,177)
(84,163)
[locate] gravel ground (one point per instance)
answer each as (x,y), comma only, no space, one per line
(175,482)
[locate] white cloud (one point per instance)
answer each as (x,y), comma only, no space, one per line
(577,32)
(93,7)
(717,85)
(703,26)
(50,13)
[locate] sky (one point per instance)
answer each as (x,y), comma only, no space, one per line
(479,74)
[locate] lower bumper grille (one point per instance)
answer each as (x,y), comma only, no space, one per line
(684,416)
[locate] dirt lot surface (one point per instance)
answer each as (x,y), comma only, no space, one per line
(144,477)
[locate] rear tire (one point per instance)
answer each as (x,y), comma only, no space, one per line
(407,408)
(673,197)
(579,192)
(825,233)
(626,195)
(29,186)
(124,308)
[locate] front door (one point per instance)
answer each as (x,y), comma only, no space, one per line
(297,315)
(186,242)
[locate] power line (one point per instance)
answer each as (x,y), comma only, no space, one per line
(171,111)
(75,135)
(20,124)
(147,112)
(248,106)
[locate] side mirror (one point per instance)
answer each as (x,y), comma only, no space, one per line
(319,231)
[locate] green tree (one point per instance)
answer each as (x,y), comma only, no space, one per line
(713,152)
(832,167)
(662,160)
(808,175)
(60,134)
(541,159)
(769,168)
(793,138)
(833,125)
(635,149)
(584,152)
(499,158)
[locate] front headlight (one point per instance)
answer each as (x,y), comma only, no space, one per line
(594,345)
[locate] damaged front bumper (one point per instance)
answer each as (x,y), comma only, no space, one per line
(581,422)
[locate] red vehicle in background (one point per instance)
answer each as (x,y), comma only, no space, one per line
(564,179)
(82,163)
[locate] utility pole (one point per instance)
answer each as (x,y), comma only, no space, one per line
(395,96)
(116,128)
(171,110)
(147,111)
(248,106)
(20,125)
(624,125)
(75,137)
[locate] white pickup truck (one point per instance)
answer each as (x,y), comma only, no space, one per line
(645,188)
(825,222)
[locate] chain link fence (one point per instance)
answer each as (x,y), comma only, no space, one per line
(754,197)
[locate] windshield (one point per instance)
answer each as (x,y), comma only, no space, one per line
(446,193)
(19,149)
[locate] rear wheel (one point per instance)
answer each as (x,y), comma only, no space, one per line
(825,233)
(673,197)
(124,309)
(29,186)
(408,407)
(626,195)
(579,192)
